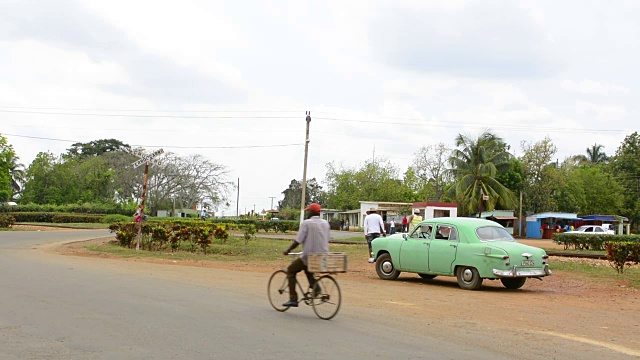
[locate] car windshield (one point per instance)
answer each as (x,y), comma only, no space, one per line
(493,233)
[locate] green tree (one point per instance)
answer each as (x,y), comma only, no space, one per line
(374,181)
(97,147)
(293,194)
(595,155)
(430,165)
(415,188)
(39,185)
(540,176)
(626,166)
(8,159)
(475,167)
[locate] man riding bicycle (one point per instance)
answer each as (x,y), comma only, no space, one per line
(314,235)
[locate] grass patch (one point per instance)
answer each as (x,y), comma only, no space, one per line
(260,250)
(603,274)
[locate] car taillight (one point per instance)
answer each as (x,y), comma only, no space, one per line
(507,264)
(505,257)
(545,257)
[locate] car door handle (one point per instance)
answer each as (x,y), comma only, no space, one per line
(455,246)
(426,243)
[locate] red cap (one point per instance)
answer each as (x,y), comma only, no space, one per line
(313,207)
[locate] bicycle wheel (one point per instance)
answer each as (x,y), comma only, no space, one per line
(327,298)
(278,290)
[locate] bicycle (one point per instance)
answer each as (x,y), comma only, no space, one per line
(325,297)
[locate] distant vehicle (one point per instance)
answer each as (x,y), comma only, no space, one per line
(9,203)
(275,219)
(593,229)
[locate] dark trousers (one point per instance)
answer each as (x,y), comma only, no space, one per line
(296,266)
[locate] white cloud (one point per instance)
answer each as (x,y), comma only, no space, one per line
(592,87)
(410,73)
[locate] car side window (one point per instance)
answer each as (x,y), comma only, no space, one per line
(446,232)
(421,232)
(598,229)
(589,229)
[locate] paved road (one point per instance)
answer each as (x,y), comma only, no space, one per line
(62,307)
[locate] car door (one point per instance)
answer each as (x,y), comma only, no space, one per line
(414,251)
(443,249)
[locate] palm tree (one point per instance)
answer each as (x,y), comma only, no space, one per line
(17,173)
(595,155)
(475,165)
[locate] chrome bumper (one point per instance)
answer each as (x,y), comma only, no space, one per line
(515,272)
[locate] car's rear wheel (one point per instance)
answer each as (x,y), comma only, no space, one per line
(468,278)
(427,276)
(513,283)
(385,268)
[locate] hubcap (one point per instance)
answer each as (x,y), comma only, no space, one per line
(467,275)
(387,267)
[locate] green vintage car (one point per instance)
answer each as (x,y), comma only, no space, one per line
(467,248)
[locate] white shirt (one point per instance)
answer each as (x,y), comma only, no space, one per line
(373,224)
(314,235)
(393,224)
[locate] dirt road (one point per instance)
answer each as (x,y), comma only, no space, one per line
(559,315)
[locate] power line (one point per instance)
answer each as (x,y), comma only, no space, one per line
(445,124)
(167,146)
(148,110)
(146,116)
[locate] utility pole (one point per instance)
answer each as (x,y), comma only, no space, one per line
(238,200)
(304,173)
(271,197)
(520,217)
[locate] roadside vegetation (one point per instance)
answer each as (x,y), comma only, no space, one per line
(261,251)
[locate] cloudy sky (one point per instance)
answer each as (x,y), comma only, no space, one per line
(231,80)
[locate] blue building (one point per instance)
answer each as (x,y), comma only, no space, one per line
(549,221)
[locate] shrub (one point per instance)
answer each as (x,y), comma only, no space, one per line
(620,254)
(595,242)
(249,232)
(49,217)
(86,208)
(7,220)
(221,233)
(114,218)
(334,224)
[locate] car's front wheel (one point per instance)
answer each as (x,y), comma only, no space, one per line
(513,283)
(468,278)
(385,268)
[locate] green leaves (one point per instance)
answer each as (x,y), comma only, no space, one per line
(621,254)
(475,166)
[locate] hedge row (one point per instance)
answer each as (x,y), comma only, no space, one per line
(159,235)
(48,217)
(265,225)
(581,241)
(72,208)
(621,254)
